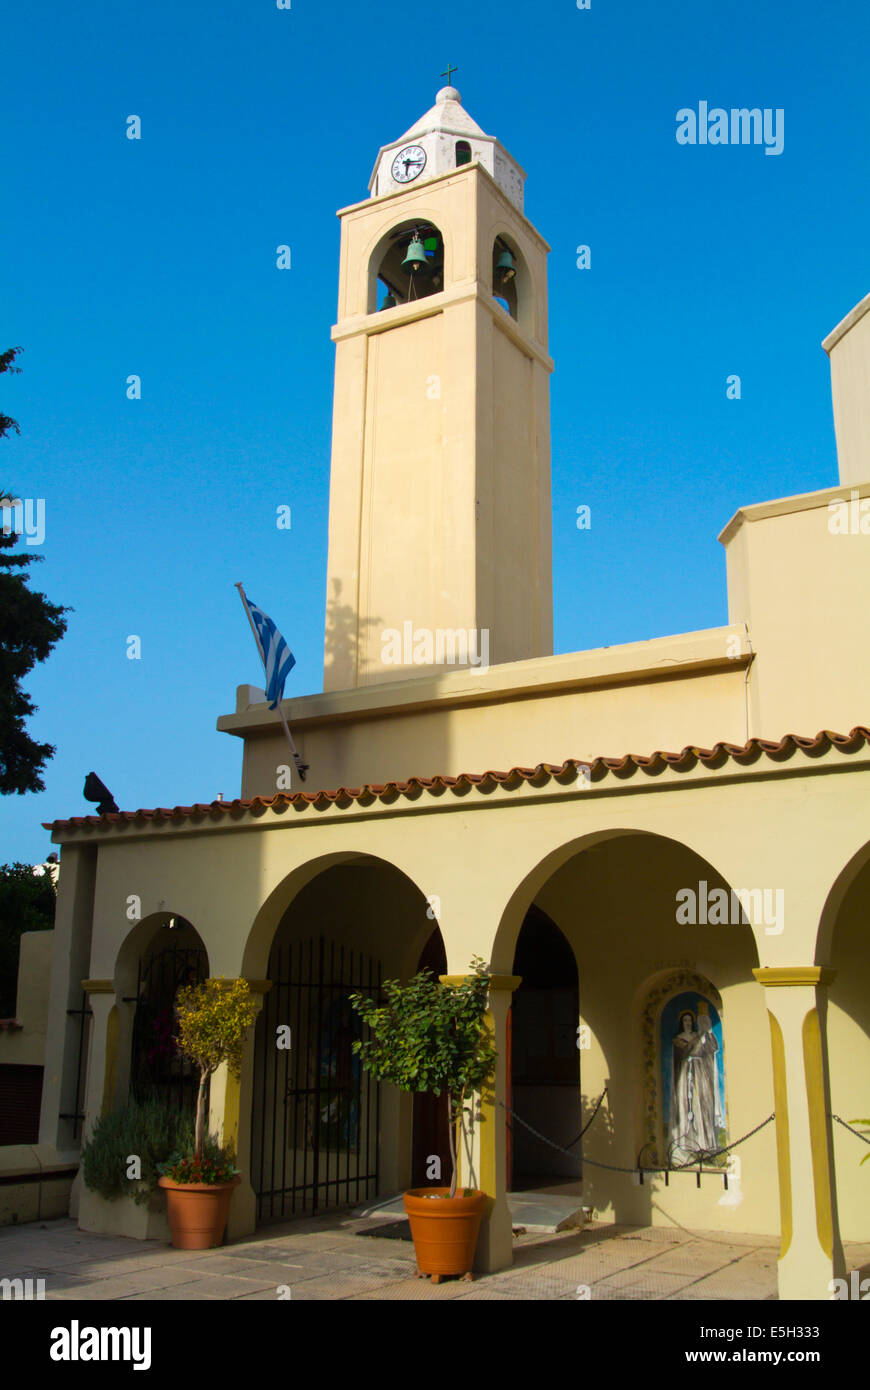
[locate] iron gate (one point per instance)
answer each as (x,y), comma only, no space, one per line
(316,1113)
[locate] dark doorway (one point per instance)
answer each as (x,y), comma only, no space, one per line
(431,1134)
(544,1058)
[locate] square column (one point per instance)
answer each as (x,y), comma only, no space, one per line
(811,1253)
(99,1092)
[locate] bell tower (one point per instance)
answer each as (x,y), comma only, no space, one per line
(439,513)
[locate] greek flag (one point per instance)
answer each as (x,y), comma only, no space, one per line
(277,656)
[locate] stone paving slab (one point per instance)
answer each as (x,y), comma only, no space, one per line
(347,1285)
(416,1289)
(223,1286)
(542,1286)
(652,1284)
(145,1282)
(695,1261)
(242,1268)
(170,1295)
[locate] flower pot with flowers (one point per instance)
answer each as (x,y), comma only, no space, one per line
(213,1021)
(433,1037)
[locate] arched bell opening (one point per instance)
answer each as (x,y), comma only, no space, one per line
(506,267)
(407,264)
(463,153)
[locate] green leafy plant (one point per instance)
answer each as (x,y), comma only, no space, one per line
(862,1122)
(147,1128)
(431,1037)
(213,1021)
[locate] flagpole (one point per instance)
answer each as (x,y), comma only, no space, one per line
(301,767)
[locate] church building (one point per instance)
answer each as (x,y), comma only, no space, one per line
(661,849)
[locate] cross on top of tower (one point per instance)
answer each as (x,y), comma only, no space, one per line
(450,68)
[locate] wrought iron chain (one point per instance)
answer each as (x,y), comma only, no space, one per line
(856,1132)
(616,1168)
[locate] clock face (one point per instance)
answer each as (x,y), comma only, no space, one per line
(408,163)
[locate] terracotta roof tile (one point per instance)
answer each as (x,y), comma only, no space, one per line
(566,772)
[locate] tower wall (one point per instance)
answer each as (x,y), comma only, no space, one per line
(848,347)
(440,486)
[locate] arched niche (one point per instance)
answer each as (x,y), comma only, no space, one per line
(389,282)
(683,1058)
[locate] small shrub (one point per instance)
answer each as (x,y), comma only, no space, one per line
(148,1128)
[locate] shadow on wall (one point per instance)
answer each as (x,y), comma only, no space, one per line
(344,630)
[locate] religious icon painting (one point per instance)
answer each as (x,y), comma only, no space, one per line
(693,1080)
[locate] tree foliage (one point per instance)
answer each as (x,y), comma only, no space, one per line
(27,903)
(431,1037)
(7,364)
(213,1022)
(29,628)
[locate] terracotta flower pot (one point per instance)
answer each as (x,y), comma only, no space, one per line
(445,1229)
(197,1212)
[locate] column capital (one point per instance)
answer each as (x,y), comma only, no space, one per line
(255,986)
(772,975)
(508,982)
(98,986)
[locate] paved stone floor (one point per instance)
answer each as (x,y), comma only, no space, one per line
(324,1258)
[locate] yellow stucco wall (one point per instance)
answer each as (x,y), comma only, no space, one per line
(803,589)
(27,1046)
(848,347)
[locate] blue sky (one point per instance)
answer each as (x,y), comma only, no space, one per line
(157,257)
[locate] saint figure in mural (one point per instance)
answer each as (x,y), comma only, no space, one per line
(693,1119)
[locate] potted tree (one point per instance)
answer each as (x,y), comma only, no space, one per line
(213,1021)
(433,1037)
